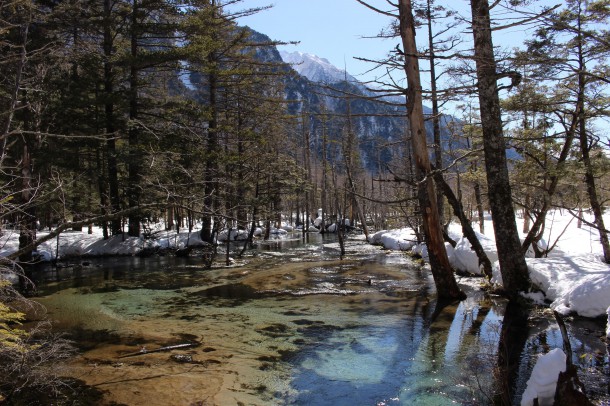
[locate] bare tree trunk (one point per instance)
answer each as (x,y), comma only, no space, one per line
(211,165)
(526,212)
(248,242)
(467,230)
(306,219)
(323,194)
(436,125)
(347,153)
(339,215)
(444,280)
(27,218)
(481,213)
(101,185)
(514,270)
(133,187)
(111,155)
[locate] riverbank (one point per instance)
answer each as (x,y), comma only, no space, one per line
(572,279)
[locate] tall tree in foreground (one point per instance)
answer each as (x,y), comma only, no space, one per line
(512,260)
(444,280)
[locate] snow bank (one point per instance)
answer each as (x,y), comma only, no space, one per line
(465,259)
(421,250)
(75,244)
(400,239)
(575,284)
(573,277)
(544,378)
(236,235)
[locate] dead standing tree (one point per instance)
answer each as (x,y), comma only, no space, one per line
(446,285)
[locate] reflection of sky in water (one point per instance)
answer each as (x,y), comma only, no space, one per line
(395,360)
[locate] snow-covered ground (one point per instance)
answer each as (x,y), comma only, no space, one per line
(573,278)
(77,243)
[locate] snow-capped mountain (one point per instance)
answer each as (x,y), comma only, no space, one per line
(314,68)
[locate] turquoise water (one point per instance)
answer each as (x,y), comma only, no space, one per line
(289,325)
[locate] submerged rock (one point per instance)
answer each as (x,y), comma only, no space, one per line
(182,358)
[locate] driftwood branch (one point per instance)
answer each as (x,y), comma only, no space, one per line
(144,351)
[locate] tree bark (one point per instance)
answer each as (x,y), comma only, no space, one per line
(133,188)
(467,230)
(512,260)
(113,177)
(436,125)
(211,165)
(442,272)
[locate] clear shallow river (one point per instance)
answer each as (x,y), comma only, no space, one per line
(292,324)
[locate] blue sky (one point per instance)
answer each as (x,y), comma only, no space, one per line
(332,29)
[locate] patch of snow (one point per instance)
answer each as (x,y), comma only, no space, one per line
(236,235)
(465,259)
(277,231)
(575,284)
(543,382)
(401,239)
(535,297)
(421,250)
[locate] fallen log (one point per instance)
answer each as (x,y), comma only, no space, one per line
(144,350)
